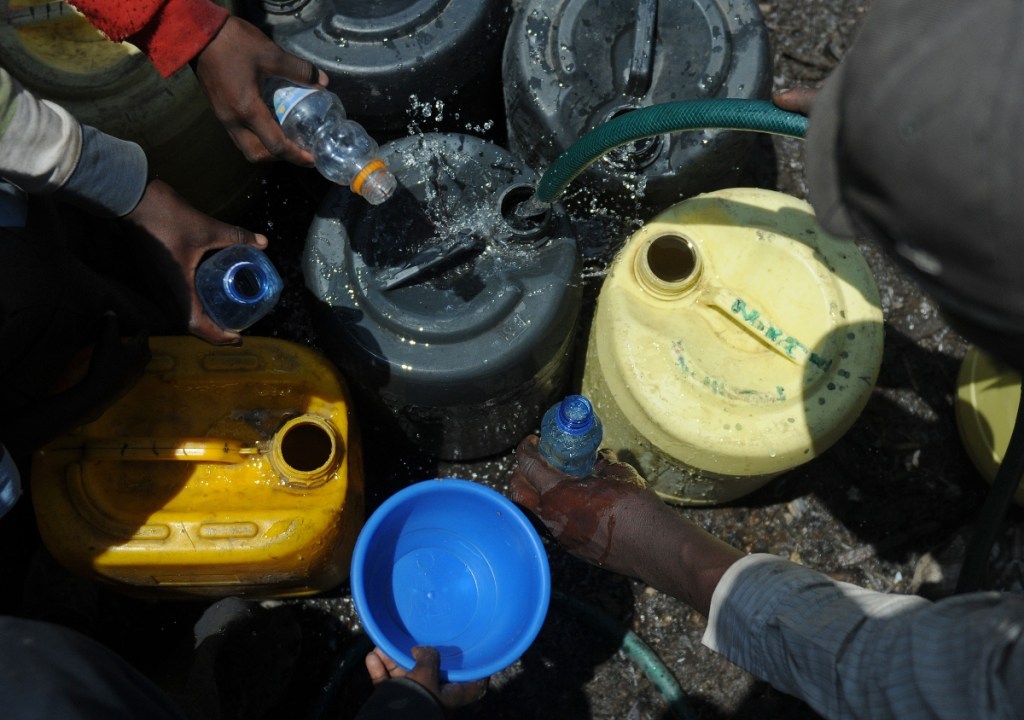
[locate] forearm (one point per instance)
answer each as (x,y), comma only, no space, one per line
(43,149)
(686,562)
(852,652)
(40,143)
(169,32)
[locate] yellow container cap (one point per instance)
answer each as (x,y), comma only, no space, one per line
(988,393)
(733,340)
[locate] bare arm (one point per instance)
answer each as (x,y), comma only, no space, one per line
(613,520)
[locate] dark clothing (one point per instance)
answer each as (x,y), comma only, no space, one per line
(916,145)
(400,697)
(49,671)
(59,276)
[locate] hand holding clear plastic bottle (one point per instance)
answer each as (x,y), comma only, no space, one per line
(343,152)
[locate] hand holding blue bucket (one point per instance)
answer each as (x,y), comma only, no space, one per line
(455,565)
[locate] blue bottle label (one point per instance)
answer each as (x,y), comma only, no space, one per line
(285,98)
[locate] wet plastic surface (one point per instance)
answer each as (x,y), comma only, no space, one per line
(400,64)
(453,322)
(571,65)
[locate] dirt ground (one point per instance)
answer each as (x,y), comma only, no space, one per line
(896,486)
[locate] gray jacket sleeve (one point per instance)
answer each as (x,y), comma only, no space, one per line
(855,653)
(43,149)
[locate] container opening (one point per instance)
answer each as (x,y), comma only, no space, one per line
(246,282)
(636,155)
(672,259)
(306,447)
(526,217)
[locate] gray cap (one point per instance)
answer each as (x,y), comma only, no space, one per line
(917,141)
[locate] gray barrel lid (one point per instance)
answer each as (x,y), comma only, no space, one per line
(571,65)
(435,64)
(487,306)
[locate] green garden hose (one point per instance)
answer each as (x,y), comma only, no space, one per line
(764,116)
(716,114)
(637,650)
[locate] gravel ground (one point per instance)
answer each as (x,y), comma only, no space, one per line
(895,487)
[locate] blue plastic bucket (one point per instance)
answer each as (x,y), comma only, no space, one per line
(454,565)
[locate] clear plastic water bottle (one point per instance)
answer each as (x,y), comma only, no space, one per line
(10,482)
(237,286)
(315,119)
(570,435)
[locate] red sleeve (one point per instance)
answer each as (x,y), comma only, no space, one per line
(170,32)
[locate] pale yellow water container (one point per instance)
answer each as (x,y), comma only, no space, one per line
(988,393)
(223,471)
(733,340)
(55,52)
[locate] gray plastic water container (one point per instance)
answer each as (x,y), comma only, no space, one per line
(380,55)
(571,65)
(467,352)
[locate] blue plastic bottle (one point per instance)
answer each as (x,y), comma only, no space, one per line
(10,482)
(237,286)
(570,435)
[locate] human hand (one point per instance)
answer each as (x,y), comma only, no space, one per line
(609,518)
(231,69)
(798,100)
(178,236)
(426,673)
(613,520)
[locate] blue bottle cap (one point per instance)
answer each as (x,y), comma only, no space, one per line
(575,415)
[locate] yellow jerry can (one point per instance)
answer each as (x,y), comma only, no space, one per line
(222,471)
(733,340)
(988,393)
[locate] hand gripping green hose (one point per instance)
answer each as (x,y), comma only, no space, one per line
(713,114)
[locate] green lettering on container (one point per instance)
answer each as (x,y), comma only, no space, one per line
(788,344)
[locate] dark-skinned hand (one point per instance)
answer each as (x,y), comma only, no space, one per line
(612,519)
(607,518)
(798,100)
(176,236)
(231,69)
(427,672)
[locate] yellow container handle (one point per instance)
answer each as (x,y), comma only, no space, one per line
(149,449)
(760,326)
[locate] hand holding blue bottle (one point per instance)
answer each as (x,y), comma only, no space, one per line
(237,286)
(168,226)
